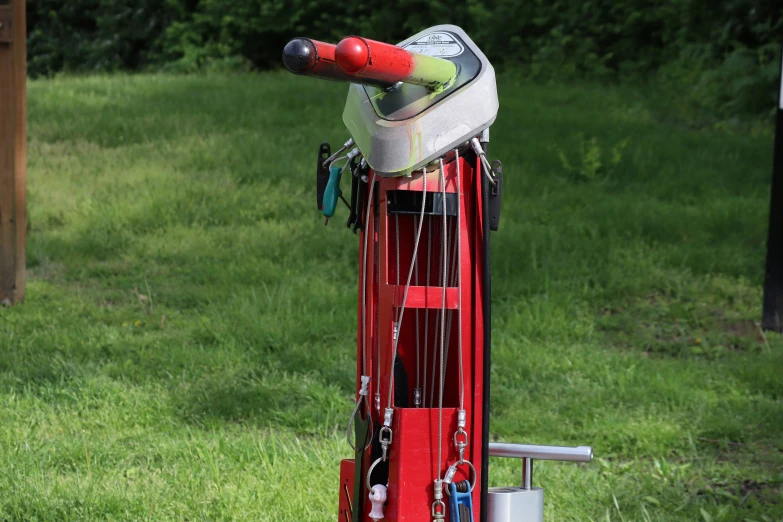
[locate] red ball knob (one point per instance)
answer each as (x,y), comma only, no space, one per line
(352,54)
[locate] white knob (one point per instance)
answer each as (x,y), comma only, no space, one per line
(378,499)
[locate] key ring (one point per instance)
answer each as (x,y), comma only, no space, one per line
(369,472)
(473,476)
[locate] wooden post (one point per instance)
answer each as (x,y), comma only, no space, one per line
(13,153)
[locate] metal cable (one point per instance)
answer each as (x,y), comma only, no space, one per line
(339,151)
(452,282)
(377,239)
(405,294)
(443,322)
(417,223)
(364,276)
(397,252)
(459,286)
(426,310)
(438,317)
(365,378)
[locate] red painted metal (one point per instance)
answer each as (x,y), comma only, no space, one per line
(325,63)
(314,58)
(371,59)
(345,512)
(413,462)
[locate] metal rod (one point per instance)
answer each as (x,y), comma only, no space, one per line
(527,473)
(531,451)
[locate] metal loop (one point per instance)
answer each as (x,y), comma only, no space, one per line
(385,441)
(351,421)
(473,476)
(438,510)
(461,439)
(369,472)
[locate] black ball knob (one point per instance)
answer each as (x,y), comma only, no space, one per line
(299,55)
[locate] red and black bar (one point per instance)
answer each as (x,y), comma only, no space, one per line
(360,60)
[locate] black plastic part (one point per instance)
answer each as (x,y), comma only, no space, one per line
(322,173)
(409,202)
(495,196)
(362,429)
(773,282)
(487,312)
(401,399)
(352,215)
(361,201)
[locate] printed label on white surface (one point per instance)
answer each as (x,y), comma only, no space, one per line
(440,45)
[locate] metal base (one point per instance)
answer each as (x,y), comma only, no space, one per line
(515,505)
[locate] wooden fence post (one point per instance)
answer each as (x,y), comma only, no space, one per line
(13,153)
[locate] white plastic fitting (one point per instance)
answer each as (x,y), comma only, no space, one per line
(378,499)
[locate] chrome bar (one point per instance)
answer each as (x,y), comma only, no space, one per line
(531,451)
(527,473)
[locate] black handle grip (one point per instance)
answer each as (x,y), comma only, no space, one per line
(322,173)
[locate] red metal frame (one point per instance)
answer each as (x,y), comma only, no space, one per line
(413,454)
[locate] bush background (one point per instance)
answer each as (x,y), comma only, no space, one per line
(721,58)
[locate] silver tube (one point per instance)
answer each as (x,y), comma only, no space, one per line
(531,451)
(527,473)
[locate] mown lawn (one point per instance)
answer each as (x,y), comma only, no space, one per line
(186,349)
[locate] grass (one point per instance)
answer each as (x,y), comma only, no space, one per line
(186,348)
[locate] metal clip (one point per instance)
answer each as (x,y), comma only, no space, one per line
(345,146)
(364,390)
(385,436)
(438,507)
(417,397)
(478,149)
(461,442)
(452,471)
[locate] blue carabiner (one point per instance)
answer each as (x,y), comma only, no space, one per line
(460,503)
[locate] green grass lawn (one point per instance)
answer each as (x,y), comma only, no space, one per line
(186,350)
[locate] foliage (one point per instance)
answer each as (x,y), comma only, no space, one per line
(95,35)
(717,55)
(593,161)
(187,347)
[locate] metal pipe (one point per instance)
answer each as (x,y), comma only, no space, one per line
(531,451)
(527,473)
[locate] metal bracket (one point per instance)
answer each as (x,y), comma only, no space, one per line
(528,452)
(6,24)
